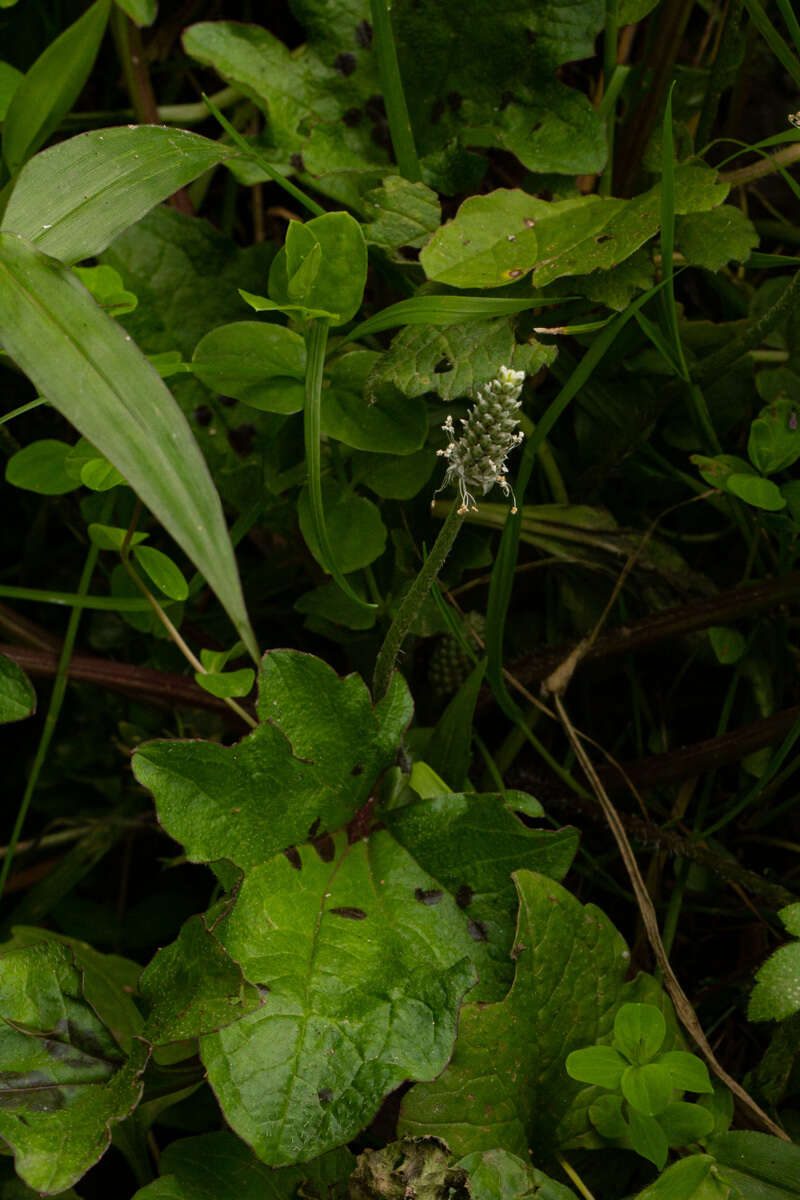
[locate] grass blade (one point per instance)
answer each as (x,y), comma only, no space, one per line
(405,150)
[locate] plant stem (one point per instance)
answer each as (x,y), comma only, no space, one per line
(53,710)
(405,150)
(610,35)
(413,601)
(168,114)
(767,165)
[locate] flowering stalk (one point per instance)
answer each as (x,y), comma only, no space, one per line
(477,459)
(476,462)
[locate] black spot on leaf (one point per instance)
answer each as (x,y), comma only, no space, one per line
(313,829)
(325,1095)
(364,34)
(454,101)
(352,914)
(464,896)
(325,847)
(203,414)
(293,855)
(345,63)
(297,162)
(241,439)
(431,897)
(506,99)
(443,366)
(353,117)
(227,401)
(477,931)
(604,237)
(375,108)
(357,769)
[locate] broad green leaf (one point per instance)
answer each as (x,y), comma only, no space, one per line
(85,464)
(457,361)
(356,532)
(727,643)
(606,1113)
(64,1079)
(498,1175)
(112,537)
(601,1065)
(790,915)
(143,12)
(746,1159)
(194,987)
(685,1123)
(647,1089)
(471,844)
(400,213)
(364,986)
(502,236)
(262,365)
(395,477)
(75,198)
(328,603)
(17,697)
(226,684)
(449,749)
(105,285)
(687,1071)
(10,79)
(322,266)
(162,571)
(755,490)
(389,423)
(647,1136)
(774,442)
(775,995)
(527,1099)
(97,378)
(40,467)
(219,1166)
(693,1178)
(715,238)
(718,470)
(321,743)
(639,1031)
(52,85)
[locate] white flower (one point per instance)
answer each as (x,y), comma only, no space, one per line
(476,459)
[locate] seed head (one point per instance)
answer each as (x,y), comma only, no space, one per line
(476,459)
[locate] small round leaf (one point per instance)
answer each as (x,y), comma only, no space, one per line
(162,571)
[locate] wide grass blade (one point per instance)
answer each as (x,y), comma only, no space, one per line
(93,373)
(75,198)
(448,310)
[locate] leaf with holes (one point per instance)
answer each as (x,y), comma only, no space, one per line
(363,987)
(320,741)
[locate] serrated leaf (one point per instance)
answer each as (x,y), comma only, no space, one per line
(41,467)
(17,697)
(262,365)
(218,1166)
(456,361)
(64,1079)
(528,1099)
(498,1175)
(75,198)
(353,1007)
(52,85)
(98,379)
(320,742)
(194,987)
(471,844)
(776,994)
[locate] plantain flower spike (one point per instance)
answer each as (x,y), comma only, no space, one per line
(476,459)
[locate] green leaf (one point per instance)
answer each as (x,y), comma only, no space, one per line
(790,915)
(356,532)
(329,603)
(639,1032)
(162,571)
(400,213)
(52,85)
(64,1079)
(601,1065)
(390,423)
(727,643)
(746,1159)
(715,238)
(218,1166)
(647,1136)
(228,684)
(498,1175)
(718,470)
(10,79)
(394,477)
(194,987)
(85,464)
(264,304)
(687,1071)
(320,742)
(364,991)
(527,1099)
(456,362)
(449,749)
(105,285)
(262,365)
(685,1123)
(757,491)
(774,442)
(112,537)
(322,266)
(606,1114)
(40,467)
(98,379)
(776,995)
(689,1179)
(647,1089)
(470,844)
(143,12)
(75,198)
(566,237)
(446,310)
(17,697)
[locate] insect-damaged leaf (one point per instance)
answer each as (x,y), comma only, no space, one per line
(64,1079)
(364,986)
(306,769)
